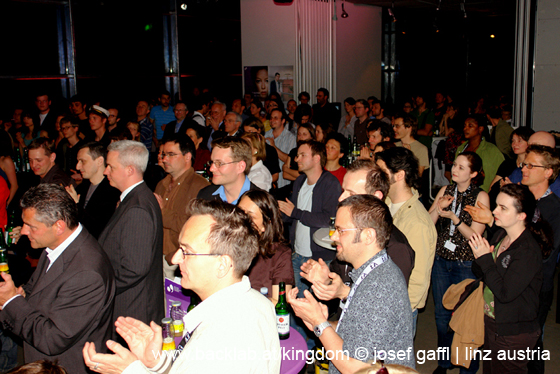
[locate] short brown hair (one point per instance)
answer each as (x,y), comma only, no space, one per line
(39,367)
(43,143)
(240,149)
(550,158)
(257,142)
(376,180)
(367,211)
(232,233)
(317,148)
(408,121)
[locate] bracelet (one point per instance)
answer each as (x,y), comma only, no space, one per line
(459,223)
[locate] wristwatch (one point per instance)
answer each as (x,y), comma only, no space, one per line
(318,330)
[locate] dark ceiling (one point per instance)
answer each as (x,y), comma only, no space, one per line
(490,7)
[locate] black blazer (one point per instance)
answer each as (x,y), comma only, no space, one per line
(65,307)
(187,124)
(100,207)
(515,279)
(133,240)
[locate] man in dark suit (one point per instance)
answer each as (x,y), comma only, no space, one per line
(133,237)
(45,119)
(231,162)
(69,298)
(181,123)
(95,197)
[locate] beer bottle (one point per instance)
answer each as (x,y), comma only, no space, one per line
(3,256)
(194,302)
(282,314)
(9,229)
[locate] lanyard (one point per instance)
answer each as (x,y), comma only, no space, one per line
(456,210)
(365,273)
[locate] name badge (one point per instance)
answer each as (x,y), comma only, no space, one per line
(450,246)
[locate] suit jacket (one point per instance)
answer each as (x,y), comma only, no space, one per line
(133,240)
(65,307)
(187,124)
(100,207)
(174,211)
(49,123)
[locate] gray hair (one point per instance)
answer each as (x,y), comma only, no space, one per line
(131,153)
(238,117)
(51,203)
(224,107)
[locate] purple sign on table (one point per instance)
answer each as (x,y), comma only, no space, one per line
(174,292)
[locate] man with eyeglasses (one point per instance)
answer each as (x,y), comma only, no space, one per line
(67,149)
(181,122)
(232,330)
(133,237)
(175,191)
(231,162)
(376,320)
(539,169)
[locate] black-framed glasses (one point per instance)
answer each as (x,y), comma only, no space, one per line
(530,166)
(185,253)
(219,164)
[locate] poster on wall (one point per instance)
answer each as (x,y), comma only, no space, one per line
(261,81)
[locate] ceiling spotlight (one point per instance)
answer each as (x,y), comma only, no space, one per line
(344,14)
(184,6)
(492,36)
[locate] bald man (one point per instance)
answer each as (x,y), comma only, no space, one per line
(540,138)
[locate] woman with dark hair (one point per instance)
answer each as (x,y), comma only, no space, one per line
(519,142)
(511,269)
(32,130)
(256,110)
(273,264)
(346,125)
(303,114)
(7,166)
(455,226)
(322,131)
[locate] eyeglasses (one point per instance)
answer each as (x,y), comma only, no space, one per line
(530,166)
(342,231)
(168,155)
(219,164)
(185,254)
(397,126)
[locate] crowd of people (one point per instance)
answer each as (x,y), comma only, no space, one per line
(230,198)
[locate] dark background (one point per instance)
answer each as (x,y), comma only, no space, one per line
(119,50)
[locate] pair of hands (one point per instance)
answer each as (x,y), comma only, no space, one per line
(286,207)
(144,341)
(326,286)
(443,203)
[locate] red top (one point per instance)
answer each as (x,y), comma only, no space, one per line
(4,195)
(339,174)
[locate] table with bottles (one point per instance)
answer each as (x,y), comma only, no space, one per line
(173,329)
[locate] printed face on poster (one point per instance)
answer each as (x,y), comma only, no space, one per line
(263,81)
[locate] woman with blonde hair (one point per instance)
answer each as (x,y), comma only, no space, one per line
(259,175)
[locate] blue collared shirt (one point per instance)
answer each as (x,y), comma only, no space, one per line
(222,192)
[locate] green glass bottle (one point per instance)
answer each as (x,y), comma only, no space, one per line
(3,256)
(282,314)
(194,302)
(9,229)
